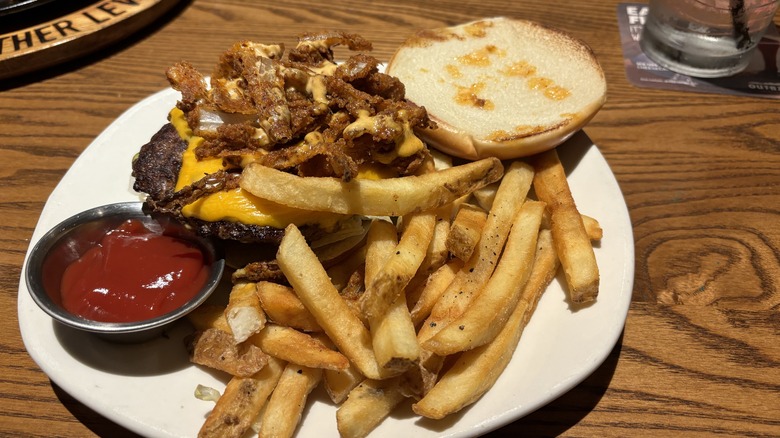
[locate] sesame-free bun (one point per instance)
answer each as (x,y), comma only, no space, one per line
(500,87)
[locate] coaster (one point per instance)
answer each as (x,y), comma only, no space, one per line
(60,31)
(760,79)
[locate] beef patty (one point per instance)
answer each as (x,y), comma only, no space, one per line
(156,169)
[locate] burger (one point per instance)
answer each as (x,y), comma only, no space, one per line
(296,111)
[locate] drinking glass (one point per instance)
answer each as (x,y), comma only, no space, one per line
(705,38)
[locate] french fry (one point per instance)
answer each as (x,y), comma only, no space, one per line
(437,252)
(217,349)
(475,273)
(353,290)
(489,311)
(243,312)
(312,285)
(592,228)
(433,288)
(392,333)
(466,231)
(209,316)
(340,273)
(436,256)
(485,195)
(475,371)
(569,234)
(283,307)
(367,405)
(384,197)
(441,160)
(381,240)
(349,234)
(241,402)
(401,265)
(338,384)
(394,337)
(283,411)
(418,381)
(297,347)
(335,250)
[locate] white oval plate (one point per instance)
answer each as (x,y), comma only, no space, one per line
(148,388)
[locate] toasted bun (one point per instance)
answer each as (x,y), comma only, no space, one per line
(500,87)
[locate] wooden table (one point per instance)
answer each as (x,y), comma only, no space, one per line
(700,174)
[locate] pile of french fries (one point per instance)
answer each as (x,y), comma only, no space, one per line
(430,307)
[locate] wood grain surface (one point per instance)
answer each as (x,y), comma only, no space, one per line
(700,174)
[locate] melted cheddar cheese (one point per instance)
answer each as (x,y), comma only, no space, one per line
(235,205)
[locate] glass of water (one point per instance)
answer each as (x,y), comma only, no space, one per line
(705,38)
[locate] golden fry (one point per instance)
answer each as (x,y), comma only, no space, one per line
(476,272)
(432,289)
(243,313)
(475,371)
(487,314)
(217,349)
(283,411)
(466,230)
(436,256)
(338,384)
(384,197)
(367,405)
(312,285)
(209,316)
(340,273)
(241,402)
(592,228)
(571,239)
(400,266)
(283,307)
(437,252)
(297,347)
(394,338)
(381,240)
(392,333)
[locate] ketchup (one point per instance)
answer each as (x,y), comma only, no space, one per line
(133,274)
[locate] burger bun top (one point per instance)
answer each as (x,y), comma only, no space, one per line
(500,87)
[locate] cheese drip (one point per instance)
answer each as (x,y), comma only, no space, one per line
(406,144)
(235,205)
